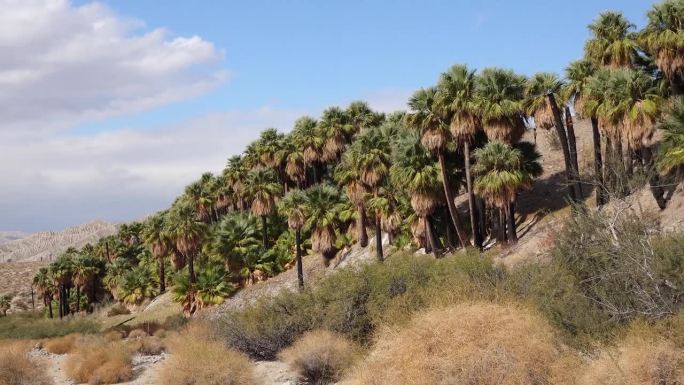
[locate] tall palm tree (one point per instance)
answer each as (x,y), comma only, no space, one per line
(305,137)
(671,153)
(45,287)
(576,90)
(541,95)
(415,171)
(187,232)
(235,174)
(361,116)
(293,207)
(263,188)
(435,136)
(456,97)
(335,129)
(61,272)
(373,151)
(348,174)
(498,99)
(84,270)
(501,173)
(662,38)
(295,165)
(323,204)
(612,43)
(157,239)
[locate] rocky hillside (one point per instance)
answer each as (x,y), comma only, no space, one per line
(45,245)
(9,236)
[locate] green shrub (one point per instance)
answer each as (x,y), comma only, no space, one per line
(355,301)
(34,326)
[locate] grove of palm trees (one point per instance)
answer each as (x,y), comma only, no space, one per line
(444,178)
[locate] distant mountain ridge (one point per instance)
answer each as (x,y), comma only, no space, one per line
(19,247)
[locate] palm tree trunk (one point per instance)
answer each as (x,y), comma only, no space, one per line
(472,210)
(78,298)
(501,226)
(654,179)
(162,278)
(60,300)
(431,238)
(265,231)
(378,238)
(191,267)
(482,217)
(570,175)
(426,240)
(298,250)
(572,147)
(363,233)
(512,232)
(601,197)
(49,306)
(463,237)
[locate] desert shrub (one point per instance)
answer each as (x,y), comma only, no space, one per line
(161,333)
(620,265)
(117,309)
(113,335)
(61,345)
(137,334)
(17,369)
(98,361)
(33,326)
(355,301)
(639,359)
(149,346)
(478,343)
(320,357)
(197,358)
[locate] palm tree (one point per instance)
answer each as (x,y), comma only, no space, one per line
(671,153)
(415,171)
(45,287)
(263,188)
(84,269)
(136,285)
(235,174)
(323,203)
(212,288)
(348,174)
(293,207)
(306,138)
(373,151)
(156,237)
(612,44)
(360,116)
(577,91)
(61,272)
(498,101)
(541,95)
(335,128)
(5,304)
(187,232)
(501,173)
(662,39)
(295,165)
(456,97)
(435,136)
(235,241)
(116,269)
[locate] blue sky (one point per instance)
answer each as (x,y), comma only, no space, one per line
(310,54)
(108,109)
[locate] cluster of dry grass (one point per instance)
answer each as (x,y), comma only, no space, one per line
(320,356)
(96,360)
(197,358)
(61,345)
(478,343)
(16,368)
(638,359)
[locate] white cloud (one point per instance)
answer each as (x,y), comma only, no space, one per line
(62,64)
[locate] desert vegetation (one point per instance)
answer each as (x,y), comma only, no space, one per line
(433,193)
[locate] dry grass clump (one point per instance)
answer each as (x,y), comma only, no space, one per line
(149,346)
(113,335)
(197,358)
(98,361)
(478,343)
(637,360)
(137,334)
(61,345)
(17,369)
(320,356)
(117,309)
